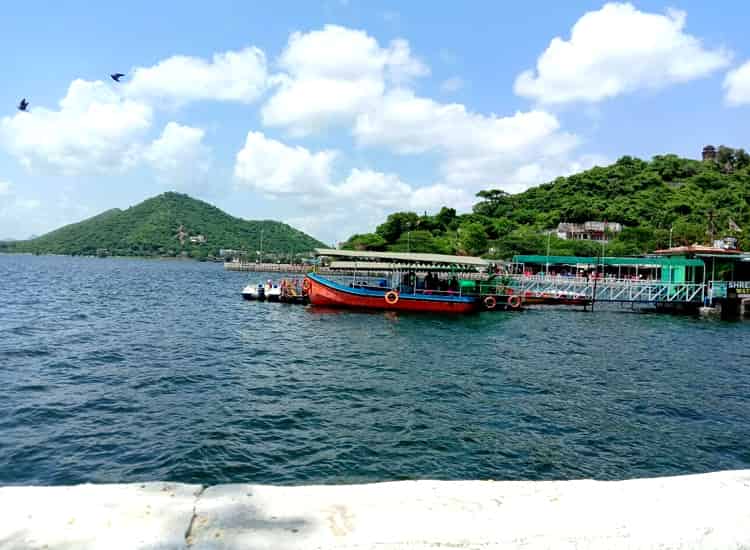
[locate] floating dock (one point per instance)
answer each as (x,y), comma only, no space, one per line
(694,511)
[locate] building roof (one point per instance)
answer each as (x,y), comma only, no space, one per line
(695,249)
(612,261)
(404,257)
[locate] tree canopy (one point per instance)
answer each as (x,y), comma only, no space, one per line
(649,198)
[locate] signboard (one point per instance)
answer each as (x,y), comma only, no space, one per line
(742,288)
(718,289)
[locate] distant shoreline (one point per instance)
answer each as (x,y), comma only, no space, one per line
(177,258)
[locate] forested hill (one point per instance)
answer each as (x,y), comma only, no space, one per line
(647,197)
(152,228)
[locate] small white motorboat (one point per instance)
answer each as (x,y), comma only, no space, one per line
(268,291)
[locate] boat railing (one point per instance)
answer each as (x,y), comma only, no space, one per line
(430,292)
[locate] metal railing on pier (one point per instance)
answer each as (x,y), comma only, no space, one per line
(268,267)
(612,290)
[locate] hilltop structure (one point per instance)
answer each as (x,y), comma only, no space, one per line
(709,154)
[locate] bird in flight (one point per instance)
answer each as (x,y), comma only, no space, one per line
(117,76)
(24,105)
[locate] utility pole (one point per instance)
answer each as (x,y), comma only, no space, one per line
(711,226)
(261,245)
(671,228)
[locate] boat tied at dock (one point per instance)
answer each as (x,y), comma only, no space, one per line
(286,291)
(396,281)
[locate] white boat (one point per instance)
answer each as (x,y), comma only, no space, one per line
(268,291)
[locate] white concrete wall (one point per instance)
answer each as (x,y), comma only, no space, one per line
(698,511)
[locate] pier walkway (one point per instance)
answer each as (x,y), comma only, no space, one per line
(612,290)
(686,512)
(266,267)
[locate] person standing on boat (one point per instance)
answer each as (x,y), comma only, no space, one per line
(454,284)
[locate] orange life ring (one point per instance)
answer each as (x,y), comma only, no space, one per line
(514,301)
(490,302)
(391,297)
(306,286)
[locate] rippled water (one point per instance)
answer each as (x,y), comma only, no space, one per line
(126,370)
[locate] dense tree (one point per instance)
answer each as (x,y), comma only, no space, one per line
(366,241)
(445,217)
(396,224)
(472,238)
(648,198)
(421,241)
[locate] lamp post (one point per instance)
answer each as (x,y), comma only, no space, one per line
(671,228)
(408,237)
(549,236)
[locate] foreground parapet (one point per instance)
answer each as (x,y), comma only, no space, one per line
(696,511)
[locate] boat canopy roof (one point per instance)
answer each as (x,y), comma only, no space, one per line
(387,259)
(386,267)
(661,261)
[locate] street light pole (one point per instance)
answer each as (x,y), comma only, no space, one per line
(670,236)
(549,236)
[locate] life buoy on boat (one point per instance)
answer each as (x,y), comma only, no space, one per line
(514,301)
(306,286)
(391,297)
(490,302)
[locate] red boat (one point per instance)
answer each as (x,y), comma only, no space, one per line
(326,292)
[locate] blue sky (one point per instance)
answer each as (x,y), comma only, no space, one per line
(330,115)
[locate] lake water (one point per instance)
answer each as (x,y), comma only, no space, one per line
(115,370)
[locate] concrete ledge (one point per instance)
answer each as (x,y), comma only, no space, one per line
(138,515)
(697,511)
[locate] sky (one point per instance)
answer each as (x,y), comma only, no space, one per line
(330,115)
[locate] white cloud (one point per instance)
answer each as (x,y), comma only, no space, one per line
(97,131)
(340,76)
(229,76)
(452,84)
(615,50)
(370,189)
(94,130)
(4,188)
(737,85)
(476,150)
(434,197)
(355,213)
(411,124)
(359,201)
(274,168)
(179,156)
(333,74)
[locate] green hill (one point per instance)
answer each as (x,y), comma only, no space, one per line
(647,197)
(151,229)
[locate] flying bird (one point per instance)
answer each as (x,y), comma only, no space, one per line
(24,105)
(117,76)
